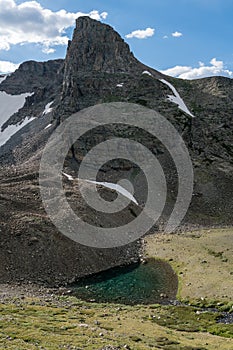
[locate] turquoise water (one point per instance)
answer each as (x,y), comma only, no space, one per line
(134,284)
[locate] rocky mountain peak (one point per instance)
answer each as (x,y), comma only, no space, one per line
(97,60)
(98,47)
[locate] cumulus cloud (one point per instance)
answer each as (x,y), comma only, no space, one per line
(7,67)
(48,50)
(186,72)
(141,33)
(177,34)
(29,22)
(103,15)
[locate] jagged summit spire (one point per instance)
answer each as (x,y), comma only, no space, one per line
(96,50)
(98,47)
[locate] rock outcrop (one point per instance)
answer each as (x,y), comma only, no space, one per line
(97,60)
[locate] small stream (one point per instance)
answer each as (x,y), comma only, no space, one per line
(153,282)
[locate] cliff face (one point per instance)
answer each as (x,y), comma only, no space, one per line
(97,60)
(97,47)
(99,68)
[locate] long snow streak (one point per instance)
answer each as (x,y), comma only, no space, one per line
(108,185)
(176,98)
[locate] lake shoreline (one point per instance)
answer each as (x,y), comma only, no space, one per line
(180,251)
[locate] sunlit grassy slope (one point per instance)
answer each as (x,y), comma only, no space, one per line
(204,263)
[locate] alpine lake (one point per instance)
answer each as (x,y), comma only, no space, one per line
(153,281)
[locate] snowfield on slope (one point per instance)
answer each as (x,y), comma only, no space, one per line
(176,98)
(117,188)
(12,129)
(10,104)
(3,78)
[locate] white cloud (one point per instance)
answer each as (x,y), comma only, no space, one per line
(29,22)
(176,71)
(48,50)
(215,68)
(4,46)
(141,33)
(104,15)
(177,34)
(7,67)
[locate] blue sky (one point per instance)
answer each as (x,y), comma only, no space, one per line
(184,38)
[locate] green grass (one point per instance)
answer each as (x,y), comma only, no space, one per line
(203,262)
(202,259)
(69,323)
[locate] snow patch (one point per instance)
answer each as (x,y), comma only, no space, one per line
(12,129)
(147,72)
(48,109)
(177,99)
(10,104)
(117,188)
(48,126)
(69,177)
(108,185)
(2,78)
